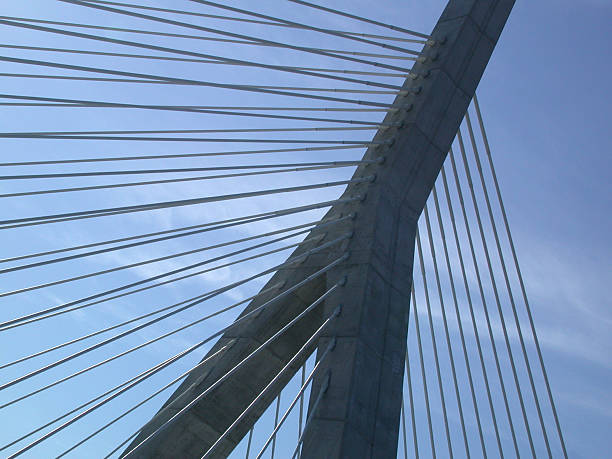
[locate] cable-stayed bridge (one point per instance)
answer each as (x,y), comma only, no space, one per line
(259,230)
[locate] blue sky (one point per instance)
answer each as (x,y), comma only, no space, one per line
(548,111)
(545,100)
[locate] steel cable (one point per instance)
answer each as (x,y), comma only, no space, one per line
(107,341)
(106,400)
(254,21)
(458,318)
(520,277)
(482,296)
(184,81)
(434,345)
(177,156)
(5,224)
(423,374)
(166,181)
(288,166)
(242,36)
(498,302)
(412,415)
(449,347)
(286,22)
(68,307)
(205,55)
(254,353)
(508,288)
(197,229)
(140,346)
(312,412)
(361,19)
(304,349)
(157,392)
(308,226)
(469,300)
(299,396)
(127,322)
(98,104)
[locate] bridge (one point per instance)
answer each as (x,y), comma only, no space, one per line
(315,261)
